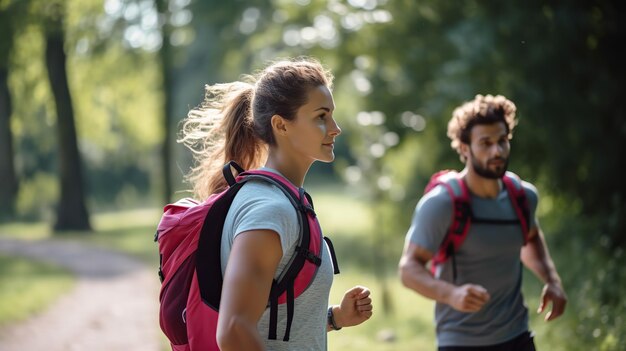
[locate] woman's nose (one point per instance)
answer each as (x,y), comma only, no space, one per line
(335,130)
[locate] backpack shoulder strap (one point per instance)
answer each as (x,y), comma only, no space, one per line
(209,247)
(208,267)
(304,208)
(518,198)
(460,222)
(307,256)
(228,173)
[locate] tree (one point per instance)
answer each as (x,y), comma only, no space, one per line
(172,27)
(558,62)
(71,211)
(165,60)
(8,178)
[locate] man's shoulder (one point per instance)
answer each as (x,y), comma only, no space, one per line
(526,185)
(529,189)
(437,199)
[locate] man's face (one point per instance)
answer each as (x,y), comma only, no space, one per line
(488,151)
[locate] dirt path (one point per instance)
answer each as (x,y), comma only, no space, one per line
(113,306)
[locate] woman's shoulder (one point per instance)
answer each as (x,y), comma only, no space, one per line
(261,205)
(264,194)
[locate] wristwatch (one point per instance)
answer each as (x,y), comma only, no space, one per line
(331,319)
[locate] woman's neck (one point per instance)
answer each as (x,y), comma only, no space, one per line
(290,168)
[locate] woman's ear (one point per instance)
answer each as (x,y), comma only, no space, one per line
(279,125)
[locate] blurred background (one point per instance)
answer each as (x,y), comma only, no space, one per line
(92,94)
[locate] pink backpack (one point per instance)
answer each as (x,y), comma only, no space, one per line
(189,239)
(462,215)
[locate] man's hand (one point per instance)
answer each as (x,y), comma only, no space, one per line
(468,298)
(553,292)
(355,308)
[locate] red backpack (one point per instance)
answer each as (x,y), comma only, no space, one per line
(189,239)
(462,216)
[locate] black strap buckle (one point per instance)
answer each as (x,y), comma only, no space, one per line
(310,256)
(307,209)
(302,206)
(161,275)
(462,214)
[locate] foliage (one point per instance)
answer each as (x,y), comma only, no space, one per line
(595,285)
(114,110)
(401,67)
(447,53)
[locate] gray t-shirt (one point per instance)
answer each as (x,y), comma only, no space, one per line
(261,205)
(489,256)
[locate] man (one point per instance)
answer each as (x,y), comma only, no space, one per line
(479,304)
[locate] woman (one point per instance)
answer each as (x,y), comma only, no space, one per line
(283,121)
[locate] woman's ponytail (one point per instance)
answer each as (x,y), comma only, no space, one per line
(221,129)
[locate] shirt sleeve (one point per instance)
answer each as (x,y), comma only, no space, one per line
(263,206)
(431,219)
(532,195)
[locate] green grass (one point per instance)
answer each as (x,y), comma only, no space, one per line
(348,220)
(593,319)
(26,231)
(128,231)
(27,287)
(411,328)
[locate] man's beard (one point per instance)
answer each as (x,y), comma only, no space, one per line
(485,172)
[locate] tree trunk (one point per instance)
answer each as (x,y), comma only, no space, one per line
(8,178)
(165,57)
(71,211)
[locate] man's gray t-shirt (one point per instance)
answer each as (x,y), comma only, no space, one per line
(261,205)
(489,256)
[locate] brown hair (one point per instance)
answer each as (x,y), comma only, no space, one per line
(234,120)
(486,109)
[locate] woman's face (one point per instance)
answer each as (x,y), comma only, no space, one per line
(313,131)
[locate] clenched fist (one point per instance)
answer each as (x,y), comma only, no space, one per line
(468,298)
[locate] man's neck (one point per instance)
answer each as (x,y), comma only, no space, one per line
(480,186)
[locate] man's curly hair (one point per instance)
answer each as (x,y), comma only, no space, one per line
(486,109)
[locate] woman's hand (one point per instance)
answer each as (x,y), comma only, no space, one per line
(355,308)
